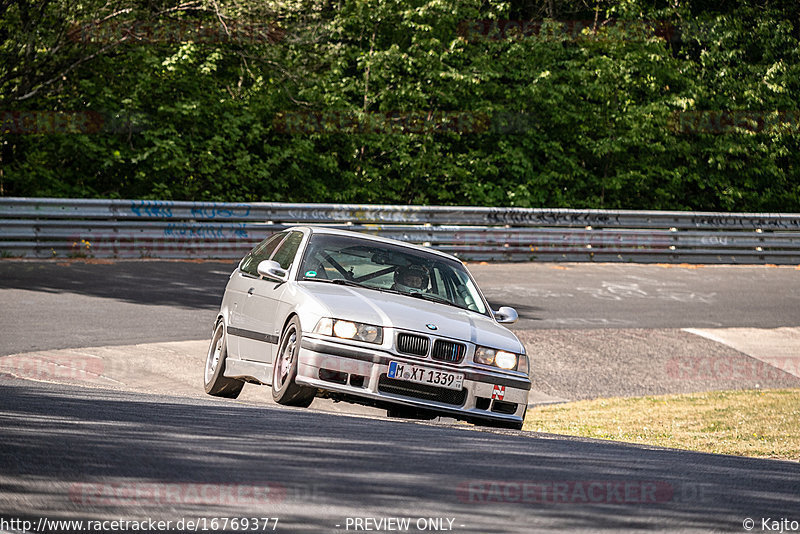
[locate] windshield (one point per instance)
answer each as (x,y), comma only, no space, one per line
(387,267)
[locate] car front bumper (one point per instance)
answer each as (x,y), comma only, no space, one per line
(360,372)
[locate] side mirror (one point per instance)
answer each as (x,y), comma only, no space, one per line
(506,315)
(272,270)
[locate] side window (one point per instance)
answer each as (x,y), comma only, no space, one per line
(444,284)
(262,252)
(438,285)
(288,250)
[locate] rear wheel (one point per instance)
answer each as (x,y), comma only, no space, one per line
(216,383)
(284,370)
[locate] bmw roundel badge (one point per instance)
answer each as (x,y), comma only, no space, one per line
(432,326)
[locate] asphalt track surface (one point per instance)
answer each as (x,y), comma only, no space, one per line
(92,453)
(89,453)
(48,305)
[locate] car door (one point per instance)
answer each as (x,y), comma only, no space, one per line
(261,306)
(239,285)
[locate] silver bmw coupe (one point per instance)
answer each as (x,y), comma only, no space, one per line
(317,312)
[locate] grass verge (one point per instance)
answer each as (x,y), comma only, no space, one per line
(758,423)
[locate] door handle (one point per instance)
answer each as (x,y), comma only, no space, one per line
(251,291)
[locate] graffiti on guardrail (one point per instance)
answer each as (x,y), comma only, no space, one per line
(313,214)
(165,228)
(231,240)
(198,210)
(115,245)
(392,216)
(348,214)
(206,231)
(219,210)
(743,221)
(152,208)
(538,238)
(510,216)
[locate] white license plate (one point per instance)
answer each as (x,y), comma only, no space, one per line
(424,375)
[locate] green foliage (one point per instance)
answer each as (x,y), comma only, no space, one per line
(562,118)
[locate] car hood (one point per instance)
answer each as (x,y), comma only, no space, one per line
(410,313)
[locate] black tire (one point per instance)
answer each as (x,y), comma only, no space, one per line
(284,370)
(216,383)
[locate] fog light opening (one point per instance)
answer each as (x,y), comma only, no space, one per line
(357,381)
(337,377)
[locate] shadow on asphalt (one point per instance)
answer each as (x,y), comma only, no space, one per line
(187,284)
(330,467)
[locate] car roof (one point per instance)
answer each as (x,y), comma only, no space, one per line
(361,235)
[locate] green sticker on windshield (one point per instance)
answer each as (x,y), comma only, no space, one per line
(311,274)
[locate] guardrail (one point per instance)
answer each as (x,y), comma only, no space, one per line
(59,228)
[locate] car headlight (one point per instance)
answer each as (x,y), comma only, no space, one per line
(349,330)
(501,359)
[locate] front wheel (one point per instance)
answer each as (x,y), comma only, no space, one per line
(284,370)
(216,383)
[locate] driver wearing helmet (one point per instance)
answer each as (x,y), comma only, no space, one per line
(411,278)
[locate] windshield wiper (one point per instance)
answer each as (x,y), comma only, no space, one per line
(338,281)
(346,282)
(424,296)
(435,298)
